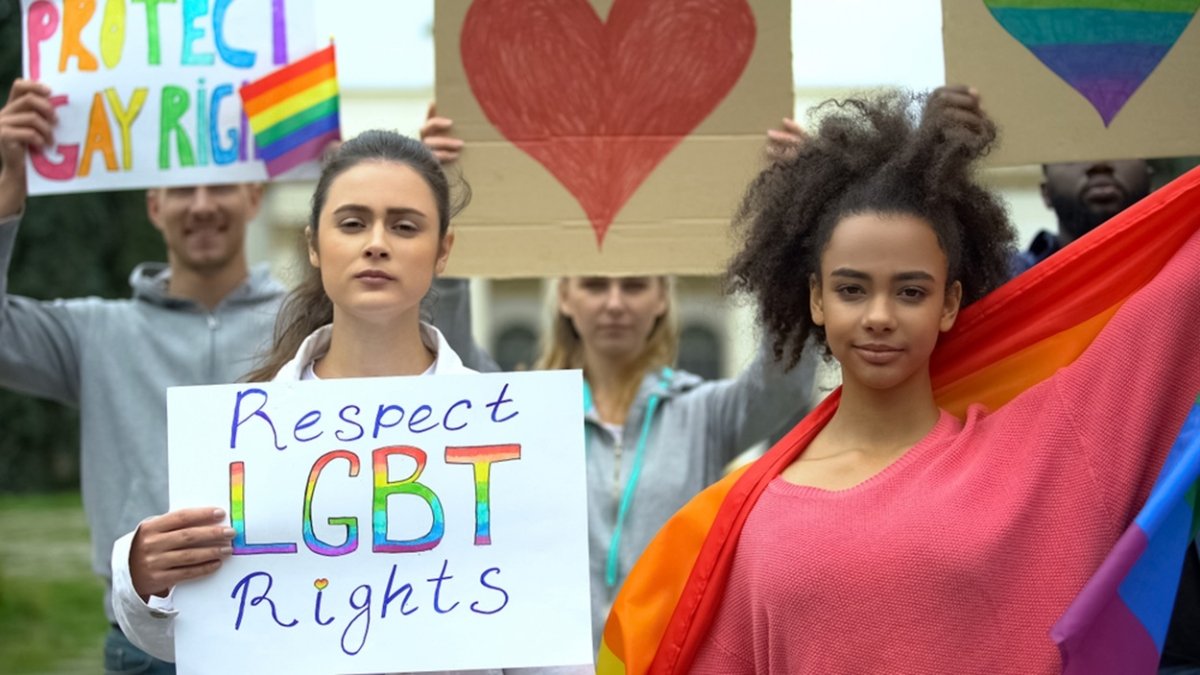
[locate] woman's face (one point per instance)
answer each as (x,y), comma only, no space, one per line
(883,298)
(378,246)
(613,315)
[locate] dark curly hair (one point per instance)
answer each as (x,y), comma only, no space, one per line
(867,156)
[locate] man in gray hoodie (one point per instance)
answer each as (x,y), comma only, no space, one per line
(202,318)
(199,319)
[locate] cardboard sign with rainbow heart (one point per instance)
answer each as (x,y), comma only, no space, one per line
(1080,80)
(1104,49)
(608,137)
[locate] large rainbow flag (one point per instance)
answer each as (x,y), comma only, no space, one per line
(293,112)
(1001,345)
(1119,622)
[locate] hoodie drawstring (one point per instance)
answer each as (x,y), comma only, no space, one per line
(639,455)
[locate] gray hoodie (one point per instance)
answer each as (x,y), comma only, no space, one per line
(114,360)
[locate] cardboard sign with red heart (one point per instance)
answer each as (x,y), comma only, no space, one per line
(608,137)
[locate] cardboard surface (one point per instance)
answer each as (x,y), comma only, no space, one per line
(1039,94)
(536,214)
(386,524)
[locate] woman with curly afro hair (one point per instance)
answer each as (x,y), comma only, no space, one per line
(904,539)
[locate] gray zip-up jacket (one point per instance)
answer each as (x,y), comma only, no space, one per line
(697,428)
(114,359)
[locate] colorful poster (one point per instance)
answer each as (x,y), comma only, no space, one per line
(146,90)
(1076,80)
(608,136)
(386,524)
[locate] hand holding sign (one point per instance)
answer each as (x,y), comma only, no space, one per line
(960,105)
(177,546)
(26,121)
(784,143)
(435,134)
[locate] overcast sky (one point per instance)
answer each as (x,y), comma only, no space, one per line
(385,44)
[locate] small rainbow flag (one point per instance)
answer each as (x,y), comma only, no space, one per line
(293,112)
(1002,345)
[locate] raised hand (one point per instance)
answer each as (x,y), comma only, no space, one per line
(435,134)
(26,121)
(956,109)
(783,143)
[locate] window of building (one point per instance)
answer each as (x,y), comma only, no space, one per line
(515,347)
(700,351)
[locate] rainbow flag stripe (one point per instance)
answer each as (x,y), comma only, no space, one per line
(1104,49)
(293,112)
(1011,340)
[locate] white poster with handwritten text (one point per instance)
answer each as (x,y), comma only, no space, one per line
(146,90)
(386,524)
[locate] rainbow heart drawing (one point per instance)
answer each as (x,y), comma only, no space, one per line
(1104,49)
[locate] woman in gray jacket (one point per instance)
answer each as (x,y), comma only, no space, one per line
(656,436)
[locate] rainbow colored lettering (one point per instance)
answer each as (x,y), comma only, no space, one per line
(481,458)
(237,516)
(350,523)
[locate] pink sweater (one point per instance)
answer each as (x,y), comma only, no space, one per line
(959,556)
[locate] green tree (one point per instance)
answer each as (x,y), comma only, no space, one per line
(72,245)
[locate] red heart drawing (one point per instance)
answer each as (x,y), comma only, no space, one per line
(601,103)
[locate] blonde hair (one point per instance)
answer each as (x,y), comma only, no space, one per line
(563,349)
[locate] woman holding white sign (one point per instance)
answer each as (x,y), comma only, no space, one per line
(378,235)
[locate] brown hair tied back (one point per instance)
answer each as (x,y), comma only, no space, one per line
(307,308)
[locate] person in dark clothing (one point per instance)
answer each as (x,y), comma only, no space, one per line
(1181,652)
(1083,195)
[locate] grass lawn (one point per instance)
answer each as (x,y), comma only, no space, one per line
(51,618)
